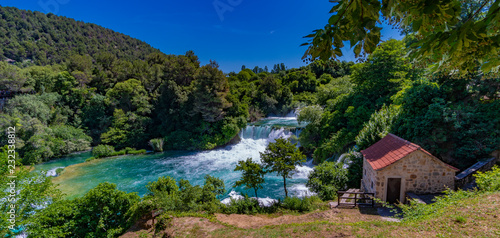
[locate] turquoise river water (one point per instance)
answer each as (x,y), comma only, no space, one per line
(132,173)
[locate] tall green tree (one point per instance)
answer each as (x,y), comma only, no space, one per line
(211,89)
(282,157)
(129,96)
(253,175)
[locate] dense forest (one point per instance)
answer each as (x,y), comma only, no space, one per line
(85,98)
(129,95)
(43,39)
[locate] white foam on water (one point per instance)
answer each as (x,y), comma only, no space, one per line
(263,202)
(233,195)
(300,190)
(302,172)
(52,172)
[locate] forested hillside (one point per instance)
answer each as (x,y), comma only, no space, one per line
(95,86)
(48,39)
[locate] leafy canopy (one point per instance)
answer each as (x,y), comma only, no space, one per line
(455,34)
(327,178)
(282,157)
(253,174)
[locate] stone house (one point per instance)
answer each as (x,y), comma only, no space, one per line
(394,166)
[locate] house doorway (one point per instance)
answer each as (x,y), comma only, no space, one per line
(393,190)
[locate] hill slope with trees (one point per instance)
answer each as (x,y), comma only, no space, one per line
(48,39)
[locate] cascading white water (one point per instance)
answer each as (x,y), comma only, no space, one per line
(265,132)
(133,173)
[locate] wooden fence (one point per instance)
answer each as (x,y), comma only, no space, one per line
(345,198)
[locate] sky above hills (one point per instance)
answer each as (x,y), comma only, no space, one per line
(232,32)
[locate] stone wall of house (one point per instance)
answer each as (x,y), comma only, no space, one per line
(420,174)
(369,178)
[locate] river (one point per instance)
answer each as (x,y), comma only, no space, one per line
(132,173)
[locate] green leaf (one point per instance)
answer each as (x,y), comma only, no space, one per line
(357,50)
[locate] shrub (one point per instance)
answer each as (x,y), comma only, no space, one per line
(117,153)
(136,152)
(418,211)
(301,204)
(166,195)
(157,144)
(327,178)
(59,171)
(249,206)
(489,181)
(103,212)
(101,151)
(90,159)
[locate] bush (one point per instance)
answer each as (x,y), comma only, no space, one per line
(157,144)
(59,171)
(327,178)
(249,206)
(101,151)
(90,159)
(137,152)
(103,212)
(301,204)
(489,181)
(418,211)
(166,195)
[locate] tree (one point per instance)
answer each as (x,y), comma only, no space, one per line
(301,80)
(455,34)
(129,96)
(282,157)
(103,212)
(311,134)
(212,188)
(327,178)
(211,89)
(253,175)
(12,78)
(377,127)
(32,190)
(444,120)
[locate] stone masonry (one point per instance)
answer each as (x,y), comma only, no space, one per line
(420,173)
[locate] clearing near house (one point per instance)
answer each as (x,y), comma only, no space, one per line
(477,216)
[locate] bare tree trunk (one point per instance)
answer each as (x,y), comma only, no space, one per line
(284,184)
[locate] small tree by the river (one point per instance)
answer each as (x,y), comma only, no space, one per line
(253,175)
(282,157)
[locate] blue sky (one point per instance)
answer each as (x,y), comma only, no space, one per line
(235,33)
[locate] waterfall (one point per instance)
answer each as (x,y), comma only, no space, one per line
(268,133)
(133,173)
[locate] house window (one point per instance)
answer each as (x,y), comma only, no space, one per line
(372,184)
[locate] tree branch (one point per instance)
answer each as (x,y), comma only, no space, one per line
(478,10)
(345,10)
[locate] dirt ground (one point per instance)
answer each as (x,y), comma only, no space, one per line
(200,227)
(333,215)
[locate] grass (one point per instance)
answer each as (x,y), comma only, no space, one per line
(456,216)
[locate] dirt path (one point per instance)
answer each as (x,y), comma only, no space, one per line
(201,227)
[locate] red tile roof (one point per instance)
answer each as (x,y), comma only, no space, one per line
(391,149)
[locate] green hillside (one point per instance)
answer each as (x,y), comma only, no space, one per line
(48,39)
